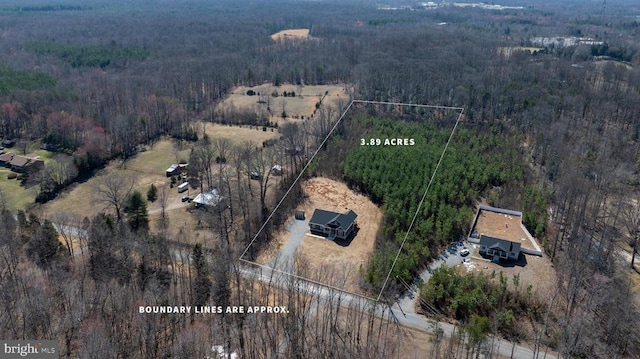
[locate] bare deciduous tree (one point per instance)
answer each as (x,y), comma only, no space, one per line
(114,191)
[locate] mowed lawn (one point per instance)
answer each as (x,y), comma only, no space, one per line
(14,195)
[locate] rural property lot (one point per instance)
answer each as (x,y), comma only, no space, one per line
(303,104)
(503,226)
(239,134)
(146,168)
(322,256)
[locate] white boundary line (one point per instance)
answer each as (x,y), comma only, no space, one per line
(377,299)
(424,195)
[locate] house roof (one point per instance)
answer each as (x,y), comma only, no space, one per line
(333,219)
(172,168)
(210,198)
(19,161)
(6,157)
(500,244)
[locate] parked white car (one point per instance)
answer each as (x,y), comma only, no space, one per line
(464,252)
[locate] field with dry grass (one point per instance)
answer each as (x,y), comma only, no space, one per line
(302,106)
(291,34)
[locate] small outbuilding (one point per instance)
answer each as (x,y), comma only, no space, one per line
(210,199)
(175,169)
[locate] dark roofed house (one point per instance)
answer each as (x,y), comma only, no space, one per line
(8,143)
(6,158)
(499,248)
(19,163)
(333,225)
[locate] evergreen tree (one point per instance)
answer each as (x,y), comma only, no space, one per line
(44,246)
(152,193)
(202,283)
(136,211)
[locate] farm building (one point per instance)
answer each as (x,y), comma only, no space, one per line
(175,169)
(333,225)
(497,249)
(211,199)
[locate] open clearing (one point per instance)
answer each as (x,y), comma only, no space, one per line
(302,106)
(239,134)
(508,51)
(322,256)
(296,34)
(13,195)
(146,168)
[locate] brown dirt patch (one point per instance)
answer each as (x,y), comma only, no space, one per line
(296,34)
(321,254)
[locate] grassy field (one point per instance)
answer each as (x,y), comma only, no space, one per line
(302,105)
(14,195)
(238,135)
(144,169)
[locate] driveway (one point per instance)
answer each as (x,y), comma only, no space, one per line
(406,301)
(285,257)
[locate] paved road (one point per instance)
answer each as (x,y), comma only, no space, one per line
(410,320)
(402,311)
(407,300)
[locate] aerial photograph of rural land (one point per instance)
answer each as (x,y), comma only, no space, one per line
(310,179)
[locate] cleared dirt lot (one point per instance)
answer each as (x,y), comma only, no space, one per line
(320,255)
(298,34)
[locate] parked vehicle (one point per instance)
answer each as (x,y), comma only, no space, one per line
(464,252)
(183,187)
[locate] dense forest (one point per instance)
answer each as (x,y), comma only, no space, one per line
(396,177)
(549,128)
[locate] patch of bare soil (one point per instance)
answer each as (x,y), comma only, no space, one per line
(296,34)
